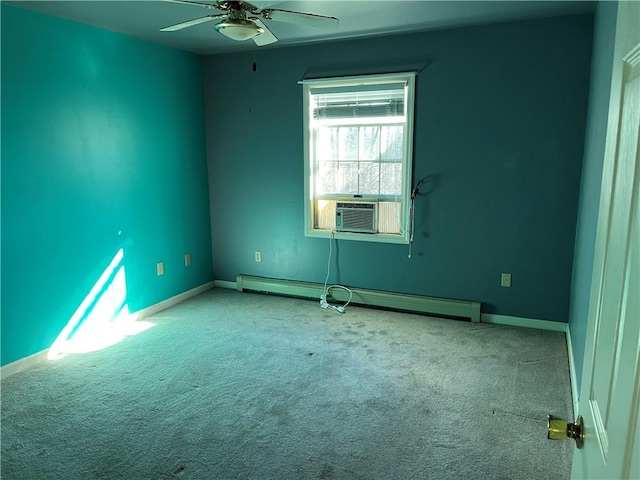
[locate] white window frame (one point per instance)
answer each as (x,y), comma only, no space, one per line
(407,163)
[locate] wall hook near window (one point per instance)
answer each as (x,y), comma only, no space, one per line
(430,180)
(414,193)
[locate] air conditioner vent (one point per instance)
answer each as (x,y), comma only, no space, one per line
(360,217)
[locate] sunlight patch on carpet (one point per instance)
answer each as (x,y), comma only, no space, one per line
(103,318)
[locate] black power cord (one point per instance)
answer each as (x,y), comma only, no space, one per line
(414,193)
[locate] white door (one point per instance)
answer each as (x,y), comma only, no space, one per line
(610,389)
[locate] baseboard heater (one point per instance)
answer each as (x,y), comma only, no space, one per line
(373,298)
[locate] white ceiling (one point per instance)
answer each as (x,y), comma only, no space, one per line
(358,18)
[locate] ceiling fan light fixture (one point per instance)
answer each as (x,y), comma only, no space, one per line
(238,29)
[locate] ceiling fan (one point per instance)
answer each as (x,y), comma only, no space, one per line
(243,20)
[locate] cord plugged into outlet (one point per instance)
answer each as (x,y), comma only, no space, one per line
(326,289)
(323,302)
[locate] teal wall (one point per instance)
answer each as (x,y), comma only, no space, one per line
(500,121)
(596,132)
(103,148)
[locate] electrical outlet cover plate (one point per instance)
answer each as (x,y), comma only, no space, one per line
(505,280)
(258,256)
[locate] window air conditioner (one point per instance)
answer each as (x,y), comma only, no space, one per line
(360,217)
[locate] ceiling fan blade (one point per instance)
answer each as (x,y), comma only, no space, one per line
(299,18)
(264,38)
(191,23)
(196,4)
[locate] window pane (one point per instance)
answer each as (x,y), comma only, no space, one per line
(327,179)
(390,178)
(327,143)
(369,143)
(391,143)
(348,173)
(369,177)
(348,143)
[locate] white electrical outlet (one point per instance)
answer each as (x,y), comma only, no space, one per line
(505,281)
(258,256)
(187,259)
(160,268)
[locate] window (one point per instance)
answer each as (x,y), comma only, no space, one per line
(358,156)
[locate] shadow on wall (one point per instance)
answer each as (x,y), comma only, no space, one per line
(103,318)
(366,68)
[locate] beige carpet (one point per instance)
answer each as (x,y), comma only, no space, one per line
(234,385)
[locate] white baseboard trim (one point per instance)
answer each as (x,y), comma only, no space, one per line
(23,363)
(39,357)
(572,372)
(170,302)
(523,322)
(226,284)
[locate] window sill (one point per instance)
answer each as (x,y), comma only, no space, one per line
(361,237)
